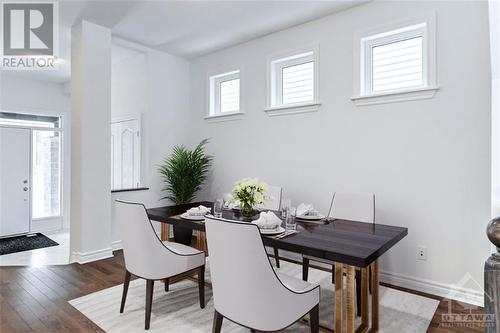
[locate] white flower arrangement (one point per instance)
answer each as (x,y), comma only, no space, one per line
(248,192)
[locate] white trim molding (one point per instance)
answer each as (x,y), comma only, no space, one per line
(86,257)
(455,292)
(116,245)
(293,109)
(221,117)
(395,96)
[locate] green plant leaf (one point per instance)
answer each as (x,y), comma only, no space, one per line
(184,172)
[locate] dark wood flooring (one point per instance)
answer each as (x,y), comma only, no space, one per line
(35,299)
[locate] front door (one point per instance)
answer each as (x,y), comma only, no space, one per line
(15,185)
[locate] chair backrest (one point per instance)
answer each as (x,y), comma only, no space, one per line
(274,198)
(354,207)
(142,249)
(245,286)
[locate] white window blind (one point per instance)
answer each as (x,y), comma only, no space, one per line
(397,65)
(298,83)
(225,97)
(230,96)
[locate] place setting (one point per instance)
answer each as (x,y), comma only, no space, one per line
(307,213)
(196,213)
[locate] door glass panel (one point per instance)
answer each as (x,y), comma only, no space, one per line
(128,158)
(46,183)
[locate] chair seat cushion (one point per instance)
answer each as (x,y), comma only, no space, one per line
(181,248)
(193,257)
(295,284)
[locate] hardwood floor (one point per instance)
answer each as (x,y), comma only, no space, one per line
(35,299)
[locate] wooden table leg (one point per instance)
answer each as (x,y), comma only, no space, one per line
(165,236)
(165,232)
(350,297)
(364,301)
(375,296)
(339,279)
(201,241)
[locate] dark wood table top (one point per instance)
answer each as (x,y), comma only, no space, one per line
(348,242)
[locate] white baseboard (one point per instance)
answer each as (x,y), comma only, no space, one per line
(457,293)
(85,257)
(116,245)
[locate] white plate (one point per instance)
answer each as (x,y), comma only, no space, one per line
(311,217)
(192,218)
(276,231)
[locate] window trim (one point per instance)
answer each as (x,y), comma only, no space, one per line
(275,64)
(214,79)
(425,26)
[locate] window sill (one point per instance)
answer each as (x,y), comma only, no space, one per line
(293,109)
(130,189)
(225,117)
(396,96)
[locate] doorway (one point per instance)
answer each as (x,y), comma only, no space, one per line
(31,201)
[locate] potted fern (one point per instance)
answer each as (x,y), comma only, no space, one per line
(183,173)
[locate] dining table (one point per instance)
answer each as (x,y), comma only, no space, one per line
(350,245)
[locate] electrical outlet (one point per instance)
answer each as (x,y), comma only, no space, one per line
(422,253)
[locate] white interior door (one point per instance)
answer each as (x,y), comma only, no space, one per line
(15,185)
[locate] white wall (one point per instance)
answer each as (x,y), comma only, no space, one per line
(19,93)
(428,161)
(155,85)
(22,94)
(90,237)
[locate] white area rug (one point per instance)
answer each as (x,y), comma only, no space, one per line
(178,311)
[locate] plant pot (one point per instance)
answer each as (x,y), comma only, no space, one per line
(183,235)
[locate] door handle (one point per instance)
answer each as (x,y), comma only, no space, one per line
(25,189)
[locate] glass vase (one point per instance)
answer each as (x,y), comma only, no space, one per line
(246,209)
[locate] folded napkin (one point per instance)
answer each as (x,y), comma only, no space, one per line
(267,220)
(306,210)
(198,211)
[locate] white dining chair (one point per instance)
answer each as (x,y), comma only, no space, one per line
(273,202)
(251,293)
(149,258)
(358,207)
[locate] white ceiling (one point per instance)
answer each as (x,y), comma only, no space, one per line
(186,28)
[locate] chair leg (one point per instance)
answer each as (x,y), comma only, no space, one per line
(167,284)
(217,325)
(314,318)
(149,302)
(125,290)
(358,292)
(305,269)
(277,257)
(333,274)
(201,285)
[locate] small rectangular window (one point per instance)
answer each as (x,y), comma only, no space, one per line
(395,60)
(293,80)
(224,93)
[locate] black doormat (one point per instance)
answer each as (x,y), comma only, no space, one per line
(25,243)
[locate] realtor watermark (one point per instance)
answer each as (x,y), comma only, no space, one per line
(29,35)
(465,315)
